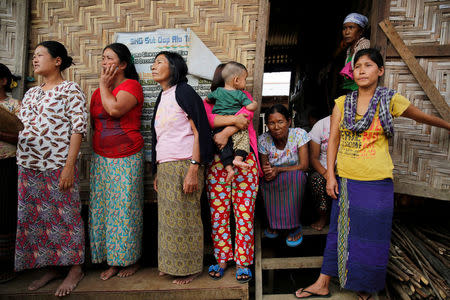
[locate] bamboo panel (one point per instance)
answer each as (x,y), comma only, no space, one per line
(227,27)
(420,152)
(8,25)
(419,21)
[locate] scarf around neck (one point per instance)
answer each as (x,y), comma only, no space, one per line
(383,96)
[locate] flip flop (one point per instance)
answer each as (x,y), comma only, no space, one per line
(292,234)
(244,271)
(362,297)
(270,235)
(217,270)
(311,294)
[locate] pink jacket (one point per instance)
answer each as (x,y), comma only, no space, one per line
(251,129)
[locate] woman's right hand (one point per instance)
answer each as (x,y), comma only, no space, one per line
(220,139)
(332,186)
(241,121)
(270,173)
(155,183)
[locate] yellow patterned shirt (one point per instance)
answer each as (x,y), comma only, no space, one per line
(12,105)
(365,156)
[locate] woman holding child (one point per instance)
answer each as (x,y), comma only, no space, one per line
(357,249)
(238,191)
(284,159)
(181,144)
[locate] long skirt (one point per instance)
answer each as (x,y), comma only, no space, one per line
(240,197)
(180,227)
(358,242)
(283,199)
(50,230)
(8,213)
(116,209)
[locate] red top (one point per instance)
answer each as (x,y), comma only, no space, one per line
(117,137)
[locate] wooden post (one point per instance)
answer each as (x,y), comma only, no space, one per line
(425,82)
(379,11)
(261,37)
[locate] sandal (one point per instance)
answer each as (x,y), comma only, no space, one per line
(217,270)
(293,234)
(363,297)
(244,271)
(270,235)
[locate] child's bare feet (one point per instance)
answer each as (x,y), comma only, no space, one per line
(239,162)
(70,282)
(230,175)
(128,271)
(320,224)
(46,278)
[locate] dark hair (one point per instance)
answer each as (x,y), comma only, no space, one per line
(372,53)
(278,108)
(56,49)
(124,55)
(177,67)
(217,80)
(6,73)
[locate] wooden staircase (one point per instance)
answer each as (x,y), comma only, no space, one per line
(145,284)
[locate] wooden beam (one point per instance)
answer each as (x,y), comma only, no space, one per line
(261,37)
(379,12)
(418,72)
(422,51)
(284,263)
(21,46)
(421,191)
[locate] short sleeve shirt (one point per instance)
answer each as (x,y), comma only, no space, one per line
(288,156)
(118,137)
(365,156)
(49,119)
(13,106)
(228,102)
(320,134)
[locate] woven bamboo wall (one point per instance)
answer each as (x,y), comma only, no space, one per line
(421,153)
(227,27)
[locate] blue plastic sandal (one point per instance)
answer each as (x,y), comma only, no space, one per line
(270,235)
(293,234)
(217,270)
(244,271)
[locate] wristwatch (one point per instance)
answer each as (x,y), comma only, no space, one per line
(194,162)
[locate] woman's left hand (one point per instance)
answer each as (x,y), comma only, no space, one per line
(270,173)
(190,183)
(107,75)
(66,178)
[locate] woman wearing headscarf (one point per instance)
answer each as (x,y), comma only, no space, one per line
(352,41)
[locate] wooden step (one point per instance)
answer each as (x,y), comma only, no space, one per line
(285,263)
(145,284)
(307,230)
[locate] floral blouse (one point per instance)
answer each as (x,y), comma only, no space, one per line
(297,137)
(13,106)
(49,119)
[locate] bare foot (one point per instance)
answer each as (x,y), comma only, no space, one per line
(230,175)
(185,279)
(239,163)
(112,271)
(128,271)
(312,289)
(162,274)
(46,278)
(70,282)
(296,237)
(320,224)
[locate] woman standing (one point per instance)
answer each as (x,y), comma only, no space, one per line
(117,168)
(8,178)
(284,157)
(240,195)
(352,41)
(181,146)
(357,249)
(50,230)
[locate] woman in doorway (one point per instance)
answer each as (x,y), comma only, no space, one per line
(284,159)
(50,230)
(8,177)
(240,195)
(357,249)
(115,210)
(181,145)
(352,41)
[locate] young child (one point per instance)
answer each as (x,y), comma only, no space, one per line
(228,101)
